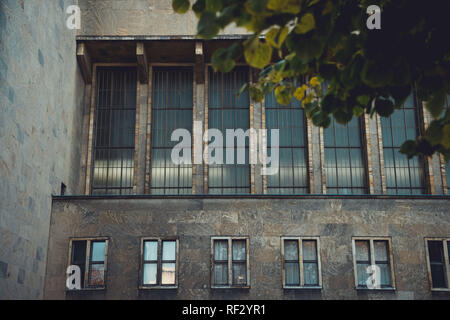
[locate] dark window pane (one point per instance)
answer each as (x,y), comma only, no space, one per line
(79,257)
(437,264)
(114,125)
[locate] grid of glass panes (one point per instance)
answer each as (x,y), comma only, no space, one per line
(437,263)
(292,177)
(115,117)
(96,262)
(223,260)
(227,110)
(172,106)
(307,257)
(403,176)
(159,263)
(345,169)
(381,259)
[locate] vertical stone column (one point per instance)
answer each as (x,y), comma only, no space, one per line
(257,123)
(373,154)
(141,127)
(198,114)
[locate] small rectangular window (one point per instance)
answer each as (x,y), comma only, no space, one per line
(159,263)
(230,262)
(438,263)
(90,256)
(301,262)
(372,259)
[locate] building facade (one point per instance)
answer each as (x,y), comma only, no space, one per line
(105,199)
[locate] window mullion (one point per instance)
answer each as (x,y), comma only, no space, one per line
(300,257)
(372,253)
(159,263)
(87,265)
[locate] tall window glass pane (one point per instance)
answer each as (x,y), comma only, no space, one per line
(310,263)
(115,118)
(171,109)
(227,110)
(291,263)
(403,176)
(381,252)
(362,261)
(437,264)
(345,169)
(292,177)
(221,262)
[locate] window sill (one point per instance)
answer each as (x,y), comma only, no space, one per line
(375,290)
(158,287)
(302,287)
(440,289)
(86,289)
(231,287)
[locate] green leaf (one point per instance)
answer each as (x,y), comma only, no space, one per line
(276,5)
(256,6)
(434,133)
(306,24)
(358,111)
(384,107)
(363,100)
(408,148)
(221,61)
(446,136)
(242,89)
(436,104)
(258,54)
(180,6)
(321,119)
(213,5)
(256,94)
(276,36)
(283,95)
(198,7)
(207,25)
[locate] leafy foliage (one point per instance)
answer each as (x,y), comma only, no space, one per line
(328,42)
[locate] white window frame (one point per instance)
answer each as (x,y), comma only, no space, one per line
(159,263)
(300,257)
(88,260)
(372,261)
(446,262)
(230,262)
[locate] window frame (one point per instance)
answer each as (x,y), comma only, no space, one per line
(300,261)
(92,137)
(88,262)
(159,262)
(373,261)
(230,239)
(445,244)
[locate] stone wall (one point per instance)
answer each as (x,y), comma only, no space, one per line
(264,221)
(41,96)
(137,18)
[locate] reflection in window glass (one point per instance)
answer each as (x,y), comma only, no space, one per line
(381,252)
(97,264)
(172,106)
(292,177)
(115,118)
(345,171)
(437,264)
(310,263)
(159,262)
(227,110)
(403,175)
